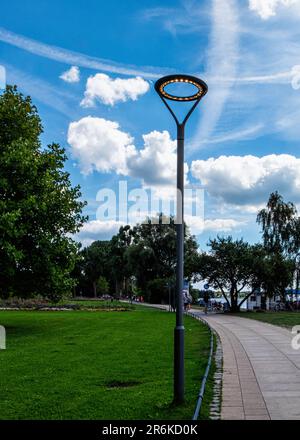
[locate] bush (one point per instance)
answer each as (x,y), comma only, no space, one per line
(102,286)
(157,291)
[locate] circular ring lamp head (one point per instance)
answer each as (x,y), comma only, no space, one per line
(162,83)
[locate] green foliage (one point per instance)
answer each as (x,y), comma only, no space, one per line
(277,222)
(94,263)
(102,286)
(281,236)
(157,291)
(278,275)
(152,256)
(230,266)
(139,259)
(38,206)
(120,269)
(195,294)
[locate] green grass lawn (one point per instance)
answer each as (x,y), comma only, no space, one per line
(284,319)
(97,365)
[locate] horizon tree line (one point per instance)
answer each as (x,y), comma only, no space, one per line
(142,259)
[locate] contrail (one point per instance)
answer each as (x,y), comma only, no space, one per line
(75,58)
(222,61)
(234,135)
(61,101)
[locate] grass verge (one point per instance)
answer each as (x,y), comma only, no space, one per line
(283,319)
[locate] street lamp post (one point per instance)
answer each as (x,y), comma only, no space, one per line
(179,328)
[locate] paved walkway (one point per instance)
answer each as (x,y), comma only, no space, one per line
(261,371)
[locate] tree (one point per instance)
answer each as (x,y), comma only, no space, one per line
(120,270)
(152,255)
(39,208)
(102,286)
(277,222)
(157,291)
(278,275)
(294,250)
(231,266)
(281,236)
(95,264)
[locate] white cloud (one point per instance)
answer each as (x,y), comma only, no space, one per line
(222,224)
(199,225)
(105,229)
(248,180)
(268,8)
(156,163)
(101,87)
(99,144)
(72,75)
(98,230)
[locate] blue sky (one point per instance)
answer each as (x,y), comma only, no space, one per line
(242,141)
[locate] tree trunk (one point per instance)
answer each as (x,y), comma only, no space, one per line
(126,286)
(117,288)
(235,308)
(283,296)
(234,301)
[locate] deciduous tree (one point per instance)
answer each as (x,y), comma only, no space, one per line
(39,208)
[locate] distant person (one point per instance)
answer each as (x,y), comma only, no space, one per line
(185,301)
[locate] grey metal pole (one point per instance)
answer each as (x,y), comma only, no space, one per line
(179,329)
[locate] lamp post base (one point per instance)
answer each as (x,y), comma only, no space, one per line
(179,364)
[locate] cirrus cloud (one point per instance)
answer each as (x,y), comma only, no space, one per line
(108,91)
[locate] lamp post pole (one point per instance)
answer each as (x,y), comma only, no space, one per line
(179,328)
